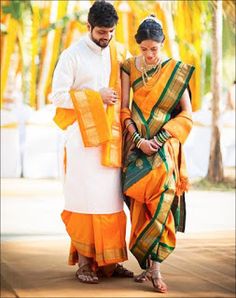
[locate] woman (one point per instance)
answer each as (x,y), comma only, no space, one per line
(156,123)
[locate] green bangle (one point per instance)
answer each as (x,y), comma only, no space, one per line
(161,137)
(137,140)
(135,137)
(166,134)
(157,141)
(140,142)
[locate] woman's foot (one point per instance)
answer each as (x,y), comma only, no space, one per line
(85,274)
(155,276)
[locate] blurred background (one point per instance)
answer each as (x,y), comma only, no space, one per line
(34,33)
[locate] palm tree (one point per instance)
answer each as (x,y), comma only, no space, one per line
(215,170)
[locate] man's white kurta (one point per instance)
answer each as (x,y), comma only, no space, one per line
(89,187)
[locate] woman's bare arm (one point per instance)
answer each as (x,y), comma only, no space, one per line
(185,103)
(125,96)
(125,90)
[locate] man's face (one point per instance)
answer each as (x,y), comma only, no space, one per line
(101,35)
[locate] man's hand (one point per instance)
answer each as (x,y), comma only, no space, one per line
(109,96)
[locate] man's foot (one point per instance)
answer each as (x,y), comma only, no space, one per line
(121,271)
(85,274)
(142,277)
(155,276)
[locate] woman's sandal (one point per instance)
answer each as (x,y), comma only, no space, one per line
(86,275)
(121,271)
(155,276)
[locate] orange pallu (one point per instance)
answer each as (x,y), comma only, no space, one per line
(154,185)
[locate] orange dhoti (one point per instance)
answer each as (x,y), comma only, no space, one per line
(97,236)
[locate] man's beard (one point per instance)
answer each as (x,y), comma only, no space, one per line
(102,43)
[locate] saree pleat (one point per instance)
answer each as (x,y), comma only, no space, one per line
(153,225)
(154,185)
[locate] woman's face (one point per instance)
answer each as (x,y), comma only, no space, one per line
(151,50)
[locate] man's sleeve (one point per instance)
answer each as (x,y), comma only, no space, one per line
(63,79)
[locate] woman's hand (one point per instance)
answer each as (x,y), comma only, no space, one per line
(149,147)
(109,96)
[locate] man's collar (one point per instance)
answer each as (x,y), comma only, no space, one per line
(93,46)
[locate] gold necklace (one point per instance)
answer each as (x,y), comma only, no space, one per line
(147,67)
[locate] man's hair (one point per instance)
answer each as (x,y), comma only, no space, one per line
(102,14)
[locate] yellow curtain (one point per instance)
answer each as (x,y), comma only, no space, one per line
(61,11)
(135,17)
(123,34)
(197,31)
(34,53)
(187,27)
(188,30)
(8,48)
(162,17)
(44,23)
(3,21)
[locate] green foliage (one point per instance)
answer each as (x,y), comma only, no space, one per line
(228,37)
(16,8)
(62,23)
(204,184)
(228,48)
(207,73)
(206,13)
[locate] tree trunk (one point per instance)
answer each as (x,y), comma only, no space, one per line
(215,170)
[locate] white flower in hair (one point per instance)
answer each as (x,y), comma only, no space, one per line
(153,18)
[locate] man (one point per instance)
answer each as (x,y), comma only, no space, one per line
(86,91)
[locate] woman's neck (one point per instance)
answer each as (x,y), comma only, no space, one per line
(155,62)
